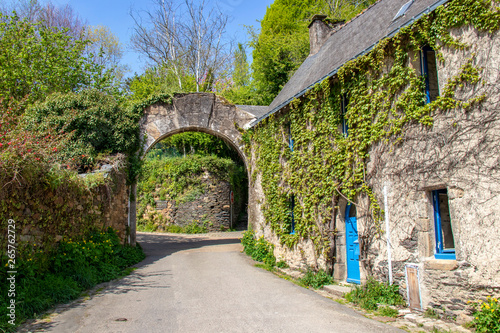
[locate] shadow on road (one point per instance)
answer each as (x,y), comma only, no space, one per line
(156,246)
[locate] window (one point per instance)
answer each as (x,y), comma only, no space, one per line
(445,244)
(429,71)
(403,10)
(292,206)
(343,110)
(290,138)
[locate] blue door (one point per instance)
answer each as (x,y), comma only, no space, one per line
(352,244)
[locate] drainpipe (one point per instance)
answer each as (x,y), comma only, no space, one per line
(386,210)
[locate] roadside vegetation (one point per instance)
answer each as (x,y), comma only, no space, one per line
(59,275)
(374,293)
(262,251)
(486,315)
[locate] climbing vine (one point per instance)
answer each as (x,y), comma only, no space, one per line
(385,92)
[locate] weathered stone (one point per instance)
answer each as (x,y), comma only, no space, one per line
(442,265)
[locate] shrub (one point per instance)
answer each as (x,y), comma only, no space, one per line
(259,250)
(195,228)
(374,292)
(388,312)
(95,121)
(316,280)
(487,315)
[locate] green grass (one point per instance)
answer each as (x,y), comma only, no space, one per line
(386,311)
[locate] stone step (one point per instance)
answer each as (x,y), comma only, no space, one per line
(336,290)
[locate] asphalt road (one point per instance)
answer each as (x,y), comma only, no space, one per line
(204,284)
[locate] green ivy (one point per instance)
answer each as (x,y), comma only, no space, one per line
(326,165)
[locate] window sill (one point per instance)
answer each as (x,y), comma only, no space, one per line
(440,264)
(445,256)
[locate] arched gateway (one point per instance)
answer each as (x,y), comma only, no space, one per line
(202,112)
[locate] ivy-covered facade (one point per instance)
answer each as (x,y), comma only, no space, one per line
(398,145)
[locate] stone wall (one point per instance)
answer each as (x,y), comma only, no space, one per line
(211,209)
(45,214)
(459,153)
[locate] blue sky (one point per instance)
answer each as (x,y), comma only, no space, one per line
(115,15)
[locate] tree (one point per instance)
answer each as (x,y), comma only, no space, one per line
(241,74)
(239,90)
(102,46)
(282,44)
(105,49)
(38,60)
(188,40)
(48,15)
(94,120)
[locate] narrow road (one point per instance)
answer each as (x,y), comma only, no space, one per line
(203,283)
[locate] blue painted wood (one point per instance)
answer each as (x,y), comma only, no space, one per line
(425,73)
(345,127)
(352,246)
(440,252)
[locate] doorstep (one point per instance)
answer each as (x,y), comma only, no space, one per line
(336,290)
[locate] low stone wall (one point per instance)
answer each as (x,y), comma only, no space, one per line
(69,208)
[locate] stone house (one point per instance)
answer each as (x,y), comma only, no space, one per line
(386,153)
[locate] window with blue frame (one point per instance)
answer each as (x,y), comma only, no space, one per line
(292,206)
(290,138)
(343,111)
(445,243)
(428,65)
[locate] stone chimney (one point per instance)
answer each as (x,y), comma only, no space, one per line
(319,31)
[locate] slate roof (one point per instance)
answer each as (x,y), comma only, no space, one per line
(257,111)
(355,38)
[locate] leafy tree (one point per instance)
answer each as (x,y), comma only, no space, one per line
(38,60)
(281,46)
(283,41)
(196,143)
(241,74)
(94,120)
(105,49)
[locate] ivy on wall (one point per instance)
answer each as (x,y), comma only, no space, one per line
(49,203)
(385,93)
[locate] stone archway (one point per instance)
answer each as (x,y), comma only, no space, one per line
(202,112)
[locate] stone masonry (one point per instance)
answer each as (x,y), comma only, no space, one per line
(212,208)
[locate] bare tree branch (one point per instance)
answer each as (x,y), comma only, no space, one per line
(189,39)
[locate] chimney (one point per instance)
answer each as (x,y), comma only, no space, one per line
(319,31)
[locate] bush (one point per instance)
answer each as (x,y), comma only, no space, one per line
(316,280)
(487,315)
(195,228)
(259,250)
(388,312)
(95,121)
(373,292)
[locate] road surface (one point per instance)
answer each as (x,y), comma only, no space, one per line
(203,283)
